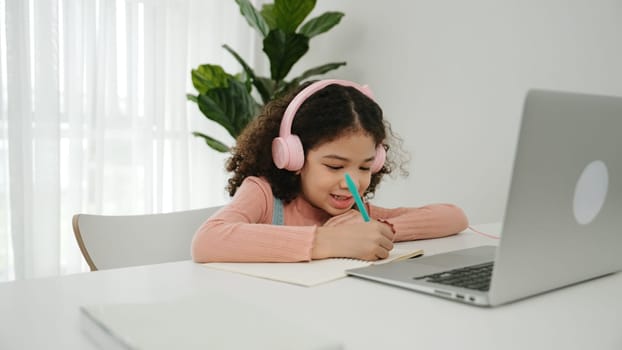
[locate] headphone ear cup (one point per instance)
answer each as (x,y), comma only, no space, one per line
(287,153)
(381,156)
(296,153)
(279,152)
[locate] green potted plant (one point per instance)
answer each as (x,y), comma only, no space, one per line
(227,98)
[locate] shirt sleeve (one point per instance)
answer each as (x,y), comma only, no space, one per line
(430,221)
(242,231)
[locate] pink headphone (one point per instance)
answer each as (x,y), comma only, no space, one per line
(287,152)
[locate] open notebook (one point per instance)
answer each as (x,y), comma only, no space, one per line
(317,271)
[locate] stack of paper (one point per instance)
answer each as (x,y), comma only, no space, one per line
(210,321)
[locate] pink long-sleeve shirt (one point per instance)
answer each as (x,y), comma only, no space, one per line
(243,231)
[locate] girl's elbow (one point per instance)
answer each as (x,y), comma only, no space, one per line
(462,220)
(459,218)
(198,248)
(196,254)
(197,257)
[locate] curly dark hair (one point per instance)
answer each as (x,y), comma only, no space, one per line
(328,114)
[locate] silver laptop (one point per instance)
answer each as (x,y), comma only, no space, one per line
(563,219)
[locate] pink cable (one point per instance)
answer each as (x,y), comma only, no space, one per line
(483,234)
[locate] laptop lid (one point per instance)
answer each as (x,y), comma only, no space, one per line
(564,211)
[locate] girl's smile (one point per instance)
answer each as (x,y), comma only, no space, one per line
(342,202)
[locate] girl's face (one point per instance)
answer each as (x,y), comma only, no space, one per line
(322,176)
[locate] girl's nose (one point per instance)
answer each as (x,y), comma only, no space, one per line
(343,183)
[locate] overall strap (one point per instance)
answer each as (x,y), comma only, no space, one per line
(277,212)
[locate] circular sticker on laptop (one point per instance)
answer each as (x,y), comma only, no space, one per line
(590,192)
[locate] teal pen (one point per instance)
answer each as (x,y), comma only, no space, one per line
(357,198)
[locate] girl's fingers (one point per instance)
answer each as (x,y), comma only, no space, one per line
(386,231)
(386,243)
(382,253)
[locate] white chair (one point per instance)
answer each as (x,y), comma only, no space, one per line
(109,242)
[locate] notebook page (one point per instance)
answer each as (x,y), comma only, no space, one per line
(314,272)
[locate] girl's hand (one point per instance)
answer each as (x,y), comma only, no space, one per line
(347,236)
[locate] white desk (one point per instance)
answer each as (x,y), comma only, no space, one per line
(43,313)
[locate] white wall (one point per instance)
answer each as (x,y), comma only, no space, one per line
(451,77)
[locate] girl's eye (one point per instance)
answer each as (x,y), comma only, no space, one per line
(365,168)
(333,167)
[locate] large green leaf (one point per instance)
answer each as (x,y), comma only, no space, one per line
(209,76)
(212,142)
(321,24)
(213,111)
(232,107)
(242,106)
(253,17)
(290,13)
(284,50)
(267,12)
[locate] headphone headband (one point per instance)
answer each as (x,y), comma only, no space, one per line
(301,97)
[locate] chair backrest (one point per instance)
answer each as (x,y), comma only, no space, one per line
(109,242)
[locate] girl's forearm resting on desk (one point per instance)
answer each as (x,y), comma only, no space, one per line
(430,221)
(218,240)
(242,231)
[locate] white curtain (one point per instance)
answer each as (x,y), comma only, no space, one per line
(94,117)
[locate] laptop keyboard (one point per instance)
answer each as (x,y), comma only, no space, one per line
(471,277)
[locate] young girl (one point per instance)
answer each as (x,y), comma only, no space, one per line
(290,198)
